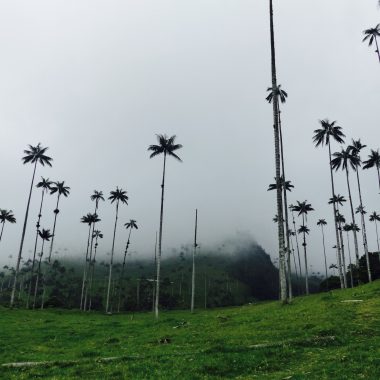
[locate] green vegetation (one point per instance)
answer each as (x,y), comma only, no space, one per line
(333,335)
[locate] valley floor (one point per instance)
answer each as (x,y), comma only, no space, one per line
(334,335)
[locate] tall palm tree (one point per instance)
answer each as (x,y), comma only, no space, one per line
(97,235)
(373,161)
(322,223)
(348,228)
(166,146)
(58,188)
(338,200)
(132,224)
(323,136)
(291,208)
(90,220)
(375,217)
(6,216)
(45,235)
(291,234)
(33,155)
(356,146)
(303,208)
(371,36)
(341,220)
(285,186)
(45,185)
(118,195)
(343,160)
(276,128)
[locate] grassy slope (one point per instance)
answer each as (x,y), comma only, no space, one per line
(214,344)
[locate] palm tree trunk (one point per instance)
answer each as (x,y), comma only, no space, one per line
(341,277)
(92,272)
(294,260)
(305,254)
(349,257)
(343,257)
(324,253)
(38,274)
(377,49)
(111,262)
(121,279)
(35,249)
(85,270)
(298,247)
(160,240)
(54,225)
(22,239)
(281,239)
(193,272)
(2,230)
(289,269)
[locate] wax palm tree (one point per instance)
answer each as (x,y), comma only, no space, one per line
(291,208)
(322,223)
(277,153)
(6,216)
(45,235)
(132,224)
(356,146)
(323,136)
(303,208)
(33,155)
(90,220)
(97,235)
(373,161)
(375,217)
(343,160)
(285,186)
(60,189)
(371,36)
(45,186)
(341,220)
(166,146)
(118,196)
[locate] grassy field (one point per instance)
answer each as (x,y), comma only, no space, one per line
(316,337)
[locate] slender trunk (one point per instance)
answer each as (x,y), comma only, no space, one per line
(305,254)
(160,240)
(92,270)
(377,49)
(154,282)
(193,273)
(335,222)
(281,239)
(298,247)
(2,230)
(85,270)
(54,225)
(294,260)
(343,257)
(121,279)
(22,239)
(324,253)
(349,257)
(111,261)
(38,274)
(35,249)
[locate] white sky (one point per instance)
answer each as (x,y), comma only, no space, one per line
(96,80)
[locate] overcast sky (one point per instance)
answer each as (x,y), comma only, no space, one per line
(96,80)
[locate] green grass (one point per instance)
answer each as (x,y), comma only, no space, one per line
(316,337)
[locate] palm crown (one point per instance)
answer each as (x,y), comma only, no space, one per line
(374,217)
(356,146)
(60,188)
(7,216)
(302,208)
(373,160)
(281,94)
(36,154)
(303,229)
(337,199)
(360,210)
(90,219)
(321,222)
(371,34)
(97,234)
(131,224)
(118,195)
(345,158)
(97,196)
(45,184)
(45,234)
(328,131)
(288,185)
(165,145)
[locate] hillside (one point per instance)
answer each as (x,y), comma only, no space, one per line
(332,335)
